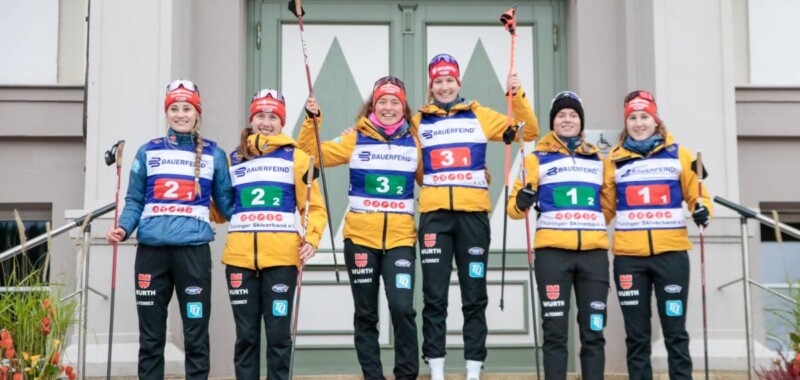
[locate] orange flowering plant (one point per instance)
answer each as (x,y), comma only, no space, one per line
(33,326)
(787,366)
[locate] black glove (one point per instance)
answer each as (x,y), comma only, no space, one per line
(509,135)
(526,198)
(311,114)
(700,215)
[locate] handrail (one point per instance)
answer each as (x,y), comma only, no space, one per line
(11,252)
(748,213)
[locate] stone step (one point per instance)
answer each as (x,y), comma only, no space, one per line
(698,375)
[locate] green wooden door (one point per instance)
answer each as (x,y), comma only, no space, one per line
(350,45)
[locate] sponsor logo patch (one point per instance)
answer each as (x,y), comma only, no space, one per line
(280,308)
(430,240)
(403,263)
(361,259)
(144,280)
(553,291)
(597,305)
(596,322)
(476,270)
(280,288)
(403,281)
(236,280)
(625,281)
(674,308)
(193,290)
(475,251)
(194,310)
(673,289)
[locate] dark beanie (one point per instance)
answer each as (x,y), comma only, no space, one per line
(566,102)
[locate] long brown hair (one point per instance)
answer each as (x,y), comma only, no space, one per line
(661,130)
(242,151)
(367,109)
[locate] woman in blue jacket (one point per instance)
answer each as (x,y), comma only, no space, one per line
(172,181)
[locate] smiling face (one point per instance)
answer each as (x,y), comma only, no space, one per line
(567,123)
(640,125)
(445,89)
(182,117)
(389,110)
(266,123)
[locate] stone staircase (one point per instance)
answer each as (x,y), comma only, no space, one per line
(698,375)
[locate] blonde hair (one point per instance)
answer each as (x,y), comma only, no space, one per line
(198,157)
(661,130)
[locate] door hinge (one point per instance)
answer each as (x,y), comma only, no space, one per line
(258,35)
(555,37)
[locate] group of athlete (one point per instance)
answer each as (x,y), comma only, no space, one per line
(260,187)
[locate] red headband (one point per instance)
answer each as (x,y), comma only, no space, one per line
(268,105)
(181,94)
(388,88)
(641,104)
(443,69)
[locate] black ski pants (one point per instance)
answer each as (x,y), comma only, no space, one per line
(365,267)
(636,278)
(257,295)
(465,236)
(159,271)
(557,272)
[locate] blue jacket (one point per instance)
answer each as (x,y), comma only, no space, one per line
(167,230)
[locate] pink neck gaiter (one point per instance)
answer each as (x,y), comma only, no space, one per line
(388,129)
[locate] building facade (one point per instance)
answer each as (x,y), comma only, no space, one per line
(709,63)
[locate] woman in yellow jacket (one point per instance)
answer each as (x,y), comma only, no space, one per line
(264,247)
(454,206)
(382,152)
(564,176)
(647,178)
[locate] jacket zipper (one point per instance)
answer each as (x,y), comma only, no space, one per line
(650,241)
(255,251)
(579,240)
(451,197)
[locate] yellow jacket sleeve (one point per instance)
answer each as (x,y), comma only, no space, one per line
(532,167)
(495,123)
(608,193)
(335,152)
(689,183)
(317,214)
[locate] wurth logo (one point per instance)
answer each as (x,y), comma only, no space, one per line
(625,281)
(154,162)
(361,259)
(144,280)
(236,280)
(364,156)
(430,240)
(553,291)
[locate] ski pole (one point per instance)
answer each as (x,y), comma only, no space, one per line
(700,174)
(508,19)
(296,308)
(297,10)
(531,282)
(114,155)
